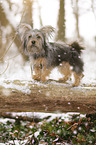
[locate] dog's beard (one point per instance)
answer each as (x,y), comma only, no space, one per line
(33,48)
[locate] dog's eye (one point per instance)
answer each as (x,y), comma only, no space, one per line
(38,36)
(29,36)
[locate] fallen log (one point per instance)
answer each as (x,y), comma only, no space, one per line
(49,97)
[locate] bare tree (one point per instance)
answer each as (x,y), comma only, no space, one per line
(28,12)
(61,22)
(76,14)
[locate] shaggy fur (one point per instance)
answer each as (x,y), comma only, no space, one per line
(45,55)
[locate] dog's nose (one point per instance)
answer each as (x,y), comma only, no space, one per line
(33,42)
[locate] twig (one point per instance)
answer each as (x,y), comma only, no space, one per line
(5,69)
(9,46)
(75,124)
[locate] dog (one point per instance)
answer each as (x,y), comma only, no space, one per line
(45,55)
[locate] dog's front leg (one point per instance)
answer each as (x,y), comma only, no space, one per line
(37,75)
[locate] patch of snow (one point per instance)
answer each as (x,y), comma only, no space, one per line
(65,116)
(89,58)
(5,120)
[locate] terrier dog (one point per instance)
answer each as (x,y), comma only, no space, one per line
(45,55)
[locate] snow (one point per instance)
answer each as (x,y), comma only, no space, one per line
(89,58)
(25,141)
(41,115)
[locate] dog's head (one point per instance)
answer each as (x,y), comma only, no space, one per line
(34,40)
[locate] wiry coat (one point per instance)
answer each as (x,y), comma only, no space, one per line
(56,53)
(46,55)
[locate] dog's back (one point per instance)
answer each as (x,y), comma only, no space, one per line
(61,52)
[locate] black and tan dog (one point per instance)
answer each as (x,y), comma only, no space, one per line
(44,55)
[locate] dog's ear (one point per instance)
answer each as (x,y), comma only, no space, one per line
(24,43)
(21,30)
(48,31)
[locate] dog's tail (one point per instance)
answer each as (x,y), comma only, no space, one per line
(77,47)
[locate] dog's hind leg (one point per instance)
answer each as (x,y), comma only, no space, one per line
(45,73)
(64,69)
(78,78)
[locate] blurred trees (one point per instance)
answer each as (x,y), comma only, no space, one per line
(79,10)
(6,38)
(6,24)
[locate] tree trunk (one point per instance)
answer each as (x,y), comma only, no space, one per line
(28,12)
(77,19)
(61,22)
(76,14)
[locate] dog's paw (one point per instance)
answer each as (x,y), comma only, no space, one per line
(43,78)
(36,77)
(64,79)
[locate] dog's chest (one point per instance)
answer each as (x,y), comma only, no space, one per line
(38,62)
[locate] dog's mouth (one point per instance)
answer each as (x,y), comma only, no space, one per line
(33,49)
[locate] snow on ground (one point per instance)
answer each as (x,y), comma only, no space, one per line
(65,116)
(89,58)
(25,141)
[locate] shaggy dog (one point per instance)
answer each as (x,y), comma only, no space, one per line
(44,55)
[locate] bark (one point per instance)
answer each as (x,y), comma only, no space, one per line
(47,98)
